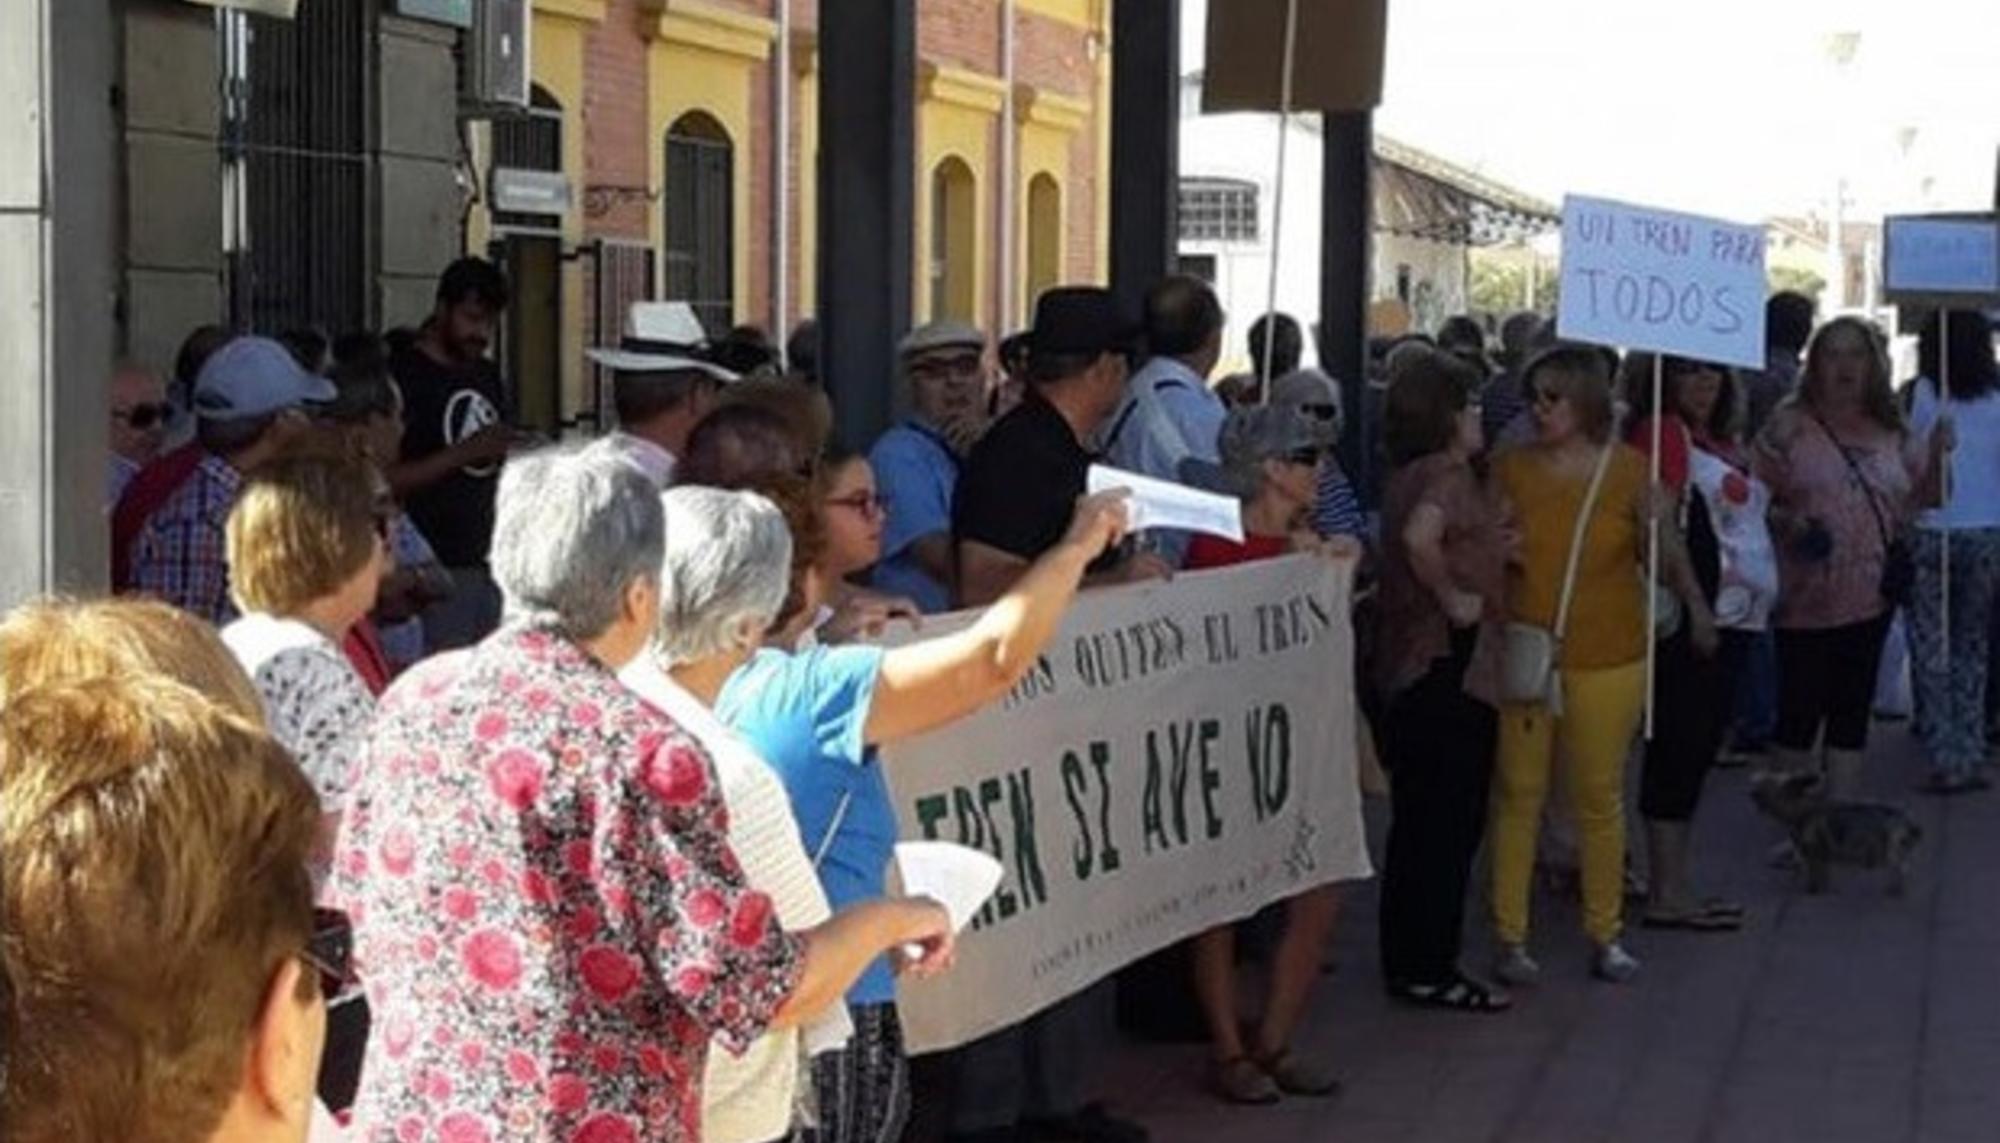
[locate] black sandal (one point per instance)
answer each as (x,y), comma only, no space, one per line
(1459,994)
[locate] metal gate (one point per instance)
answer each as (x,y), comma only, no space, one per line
(296,142)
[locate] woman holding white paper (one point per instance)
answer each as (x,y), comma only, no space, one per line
(1959,388)
(817,716)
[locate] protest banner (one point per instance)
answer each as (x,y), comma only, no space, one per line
(1942,260)
(1182,756)
(1638,278)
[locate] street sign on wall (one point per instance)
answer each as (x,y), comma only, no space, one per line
(282,9)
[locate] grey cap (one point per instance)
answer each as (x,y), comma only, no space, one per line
(1313,391)
(943,334)
(255,377)
(1256,433)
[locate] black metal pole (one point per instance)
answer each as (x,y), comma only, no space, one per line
(1346,235)
(866,182)
(1145,143)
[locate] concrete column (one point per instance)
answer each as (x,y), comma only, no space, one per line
(171,115)
(867,180)
(417,195)
(1145,143)
(57,295)
(1346,232)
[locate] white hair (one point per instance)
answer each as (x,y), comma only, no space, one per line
(573,530)
(726,569)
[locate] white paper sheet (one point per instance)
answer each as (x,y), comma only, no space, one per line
(958,877)
(1162,504)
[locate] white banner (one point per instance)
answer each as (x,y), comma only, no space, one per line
(1183,755)
(1638,278)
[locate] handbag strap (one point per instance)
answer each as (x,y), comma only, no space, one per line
(1583,514)
(1860,478)
(832,829)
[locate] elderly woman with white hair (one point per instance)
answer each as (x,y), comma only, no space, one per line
(722,583)
(552,923)
(818,715)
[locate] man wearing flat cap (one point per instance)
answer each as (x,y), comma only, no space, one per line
(917,462)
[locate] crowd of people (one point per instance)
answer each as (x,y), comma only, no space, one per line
(466,786)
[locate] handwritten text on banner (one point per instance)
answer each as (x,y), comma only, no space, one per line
(1182,756)
(1638,278)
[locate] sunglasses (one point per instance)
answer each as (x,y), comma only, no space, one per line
(868,504)
(1309,457)
(330,951)
(1548,398)
(143,417)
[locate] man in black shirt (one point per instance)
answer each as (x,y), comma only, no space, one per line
(454,442)
(1020,485)
(1015,498)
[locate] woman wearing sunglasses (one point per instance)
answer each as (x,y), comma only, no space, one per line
(184,1002)
(1576,604)
(1271,459)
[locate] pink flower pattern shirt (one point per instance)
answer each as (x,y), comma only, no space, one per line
(549,923)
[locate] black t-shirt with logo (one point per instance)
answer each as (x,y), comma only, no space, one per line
(442,406)
(1017,491)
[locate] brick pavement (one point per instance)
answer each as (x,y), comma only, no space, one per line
(1848,1018)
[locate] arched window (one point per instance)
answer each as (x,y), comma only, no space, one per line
(953,228)
(699,266)
(1044,237)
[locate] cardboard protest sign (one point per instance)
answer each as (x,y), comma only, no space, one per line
(1638,278)
(1182,756)
(1338,53)
(1942,259)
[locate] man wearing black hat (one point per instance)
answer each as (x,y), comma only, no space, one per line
(1014,500)
(1021,482)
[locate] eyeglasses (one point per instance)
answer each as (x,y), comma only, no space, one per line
(143,417)
(869,504)
(330,951)
(944,368)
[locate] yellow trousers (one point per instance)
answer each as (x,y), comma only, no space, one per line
(1601,713)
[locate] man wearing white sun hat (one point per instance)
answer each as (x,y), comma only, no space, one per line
(662,385)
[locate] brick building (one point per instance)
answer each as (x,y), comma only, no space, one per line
(662,118)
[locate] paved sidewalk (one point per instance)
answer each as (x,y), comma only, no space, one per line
(1852,1017)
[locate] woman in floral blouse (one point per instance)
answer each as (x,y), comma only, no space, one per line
(1846,479)
(551,922)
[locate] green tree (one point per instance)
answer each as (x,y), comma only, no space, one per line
(1498,285)
(1799,281)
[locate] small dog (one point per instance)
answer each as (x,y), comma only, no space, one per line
(1823,832)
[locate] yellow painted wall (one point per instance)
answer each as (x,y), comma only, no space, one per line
(952,130)
(688,77)
(805,191)
(1042,150)
(558,67)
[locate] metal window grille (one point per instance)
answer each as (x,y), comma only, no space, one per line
(530,141)
(700,258)
(620,274)
(1218,210)
(296,141)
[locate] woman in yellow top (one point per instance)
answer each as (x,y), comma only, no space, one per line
(1602,651)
